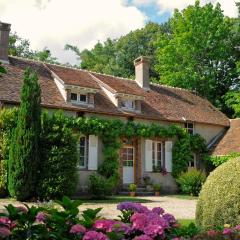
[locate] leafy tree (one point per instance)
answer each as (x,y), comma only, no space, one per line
(232,99)
(24,148)
(45,56)
(58,165)
(116,56)
(21,48)
(200,53)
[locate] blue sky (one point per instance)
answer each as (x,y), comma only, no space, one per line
(152,12)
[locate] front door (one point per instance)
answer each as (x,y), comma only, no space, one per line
(128,164)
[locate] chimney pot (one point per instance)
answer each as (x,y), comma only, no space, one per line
(142,65)
(4,40)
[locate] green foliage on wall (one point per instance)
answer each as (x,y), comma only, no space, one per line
(218,160)
(110,131)
(8,120)
(24,148)
(57,175)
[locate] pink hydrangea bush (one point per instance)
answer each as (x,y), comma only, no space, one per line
(137,222)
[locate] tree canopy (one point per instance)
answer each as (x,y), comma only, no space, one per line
(116,56)
(21,48)
(200,54)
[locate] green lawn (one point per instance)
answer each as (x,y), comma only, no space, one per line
(183,196)
(186,222)
(115,199)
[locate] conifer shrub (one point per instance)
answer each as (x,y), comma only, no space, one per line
(58,165)
(219,201)
(24,147)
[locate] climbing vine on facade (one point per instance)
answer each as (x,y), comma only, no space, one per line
(110,132)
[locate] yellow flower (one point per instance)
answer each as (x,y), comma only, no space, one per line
(227,225)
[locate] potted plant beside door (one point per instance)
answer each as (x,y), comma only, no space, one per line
(156,188)
(132,189)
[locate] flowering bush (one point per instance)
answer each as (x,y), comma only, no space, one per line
(136,222)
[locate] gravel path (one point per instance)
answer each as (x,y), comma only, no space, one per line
(180,208)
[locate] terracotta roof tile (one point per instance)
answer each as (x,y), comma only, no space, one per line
(160,103)
(121,85)
(74,76)
(230,142)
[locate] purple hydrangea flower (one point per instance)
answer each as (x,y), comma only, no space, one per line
(169,218)
(227,231)
(132,206)
(158,210)
(143,237)
(77,229)
(93,235)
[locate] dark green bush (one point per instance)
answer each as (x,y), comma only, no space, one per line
(100,187)
(24,148)
(191,181)
(8,121)
(3,178)
(219,199)
(58,165)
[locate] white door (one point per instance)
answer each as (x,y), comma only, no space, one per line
(128,165)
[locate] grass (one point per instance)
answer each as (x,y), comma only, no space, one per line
(184,196)
(186,222)
(115,199)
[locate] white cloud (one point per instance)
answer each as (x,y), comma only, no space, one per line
(228,6)
(53,23)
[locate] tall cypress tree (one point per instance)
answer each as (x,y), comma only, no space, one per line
(24,148)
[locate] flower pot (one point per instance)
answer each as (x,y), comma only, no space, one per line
(132,194)
(157,194)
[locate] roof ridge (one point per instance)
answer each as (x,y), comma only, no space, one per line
(167,86)
(71,67)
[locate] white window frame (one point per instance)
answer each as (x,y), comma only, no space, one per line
(194,162)
(123,160)
(186,126)
(79,95)
(155,152)
(71,97)
(78,98)
(84,166)
(127,107)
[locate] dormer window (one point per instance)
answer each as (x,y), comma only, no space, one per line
(82,98)
(73,96)
(128,104)
(78,98)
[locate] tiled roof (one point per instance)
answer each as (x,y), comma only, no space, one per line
(120,85)
(160,102)
(74,76)
(230,142)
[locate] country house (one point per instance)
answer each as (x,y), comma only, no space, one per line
(82,93)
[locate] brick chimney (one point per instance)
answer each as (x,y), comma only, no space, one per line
(142,71)
(4,39)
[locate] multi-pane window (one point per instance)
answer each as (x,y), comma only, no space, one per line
(83,98)
(128,104)
(189,127)
(157,158)
(128,156)
(82,148)
(76,97)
